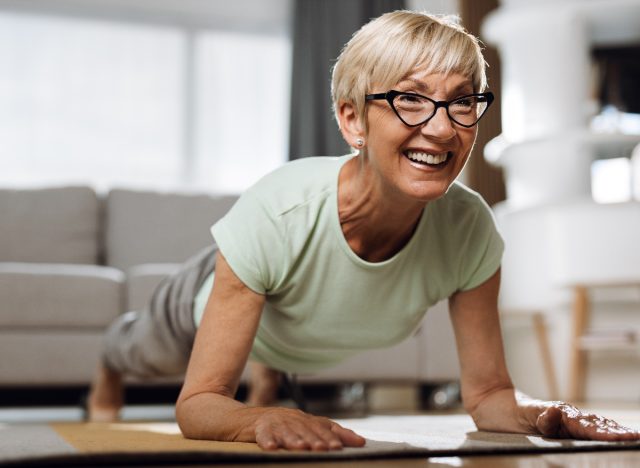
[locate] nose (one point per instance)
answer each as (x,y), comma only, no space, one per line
(439,127)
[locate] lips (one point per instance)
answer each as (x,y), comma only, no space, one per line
(428,159)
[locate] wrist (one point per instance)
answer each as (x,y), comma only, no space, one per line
(497,411)
(214,417)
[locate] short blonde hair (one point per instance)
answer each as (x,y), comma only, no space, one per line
(388,48)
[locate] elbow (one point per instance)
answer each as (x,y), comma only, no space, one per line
(202,415)
(186,422)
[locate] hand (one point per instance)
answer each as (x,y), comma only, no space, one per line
(295,430)
(566,421)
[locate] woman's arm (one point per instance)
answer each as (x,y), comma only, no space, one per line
(487,391)
(206,408)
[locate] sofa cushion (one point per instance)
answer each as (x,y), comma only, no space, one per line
(154,227)
(50,225)
(54,296)
(45,357)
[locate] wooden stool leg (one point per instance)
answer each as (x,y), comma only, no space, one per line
(578,357)
(545,352)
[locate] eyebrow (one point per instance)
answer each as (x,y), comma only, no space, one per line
(425,89)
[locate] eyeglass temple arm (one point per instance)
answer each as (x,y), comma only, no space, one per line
(371,97)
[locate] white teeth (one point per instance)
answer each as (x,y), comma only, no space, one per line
(426,157)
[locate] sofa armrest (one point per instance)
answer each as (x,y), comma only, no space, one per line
(142,280)
(59,295)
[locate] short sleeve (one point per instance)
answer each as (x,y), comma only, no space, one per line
(249,238)
(482,254)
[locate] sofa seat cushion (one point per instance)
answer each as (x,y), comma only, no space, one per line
(156,227)
(59,296)
(50,225)
(44,357)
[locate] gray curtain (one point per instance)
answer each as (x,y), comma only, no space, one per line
(320,30)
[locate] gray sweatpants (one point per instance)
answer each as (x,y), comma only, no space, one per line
(157,340)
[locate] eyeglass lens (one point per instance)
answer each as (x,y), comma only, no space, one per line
(415,109)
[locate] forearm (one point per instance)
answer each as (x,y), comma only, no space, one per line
(213,416)
(487,391)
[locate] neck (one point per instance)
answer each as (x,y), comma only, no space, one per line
(377,222)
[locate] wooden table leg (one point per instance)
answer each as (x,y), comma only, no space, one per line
(540,328)
(578,363)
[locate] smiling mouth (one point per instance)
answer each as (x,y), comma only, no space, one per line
(428,159)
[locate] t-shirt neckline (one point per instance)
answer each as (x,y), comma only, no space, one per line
(335,221)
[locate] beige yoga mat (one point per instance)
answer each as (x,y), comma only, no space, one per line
(68,444)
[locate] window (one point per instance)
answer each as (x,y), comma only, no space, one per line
(611,180)
(242,110)
(616,179)
(113,103)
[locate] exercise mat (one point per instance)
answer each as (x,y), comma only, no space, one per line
(69,444)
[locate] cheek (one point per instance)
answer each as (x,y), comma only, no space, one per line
(382,123)
(469,138)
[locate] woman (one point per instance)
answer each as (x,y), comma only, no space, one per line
(326,257)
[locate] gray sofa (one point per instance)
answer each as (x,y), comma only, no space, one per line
(71,260)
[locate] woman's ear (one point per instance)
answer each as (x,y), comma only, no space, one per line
(351,125)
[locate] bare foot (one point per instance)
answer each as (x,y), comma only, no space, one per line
(263,385)
(106,396)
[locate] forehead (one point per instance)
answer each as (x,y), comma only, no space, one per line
(424,81)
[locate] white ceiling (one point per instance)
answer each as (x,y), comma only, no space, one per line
(256,15)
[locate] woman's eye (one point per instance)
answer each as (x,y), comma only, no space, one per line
(409,99)
(464,102)
(410,102)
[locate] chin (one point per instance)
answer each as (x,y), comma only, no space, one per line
(429,191)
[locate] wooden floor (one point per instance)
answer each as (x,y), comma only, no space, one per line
(577,460)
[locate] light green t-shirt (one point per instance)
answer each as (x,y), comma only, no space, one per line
(324,303)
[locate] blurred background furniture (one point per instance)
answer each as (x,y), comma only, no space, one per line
(128,94)
(71,260)
(595,246)
(560,241)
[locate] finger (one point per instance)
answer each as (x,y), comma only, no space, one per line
(330,439)
(599,428)
(279,437)
(319,436)
(615,436)
(347,436)
(310,431)
(266,440)
(292,439)
(580,425)
(319,443)
(618,431)
(549,422)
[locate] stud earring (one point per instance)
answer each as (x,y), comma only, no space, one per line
(359,142)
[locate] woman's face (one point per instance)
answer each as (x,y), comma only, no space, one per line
(394,149)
